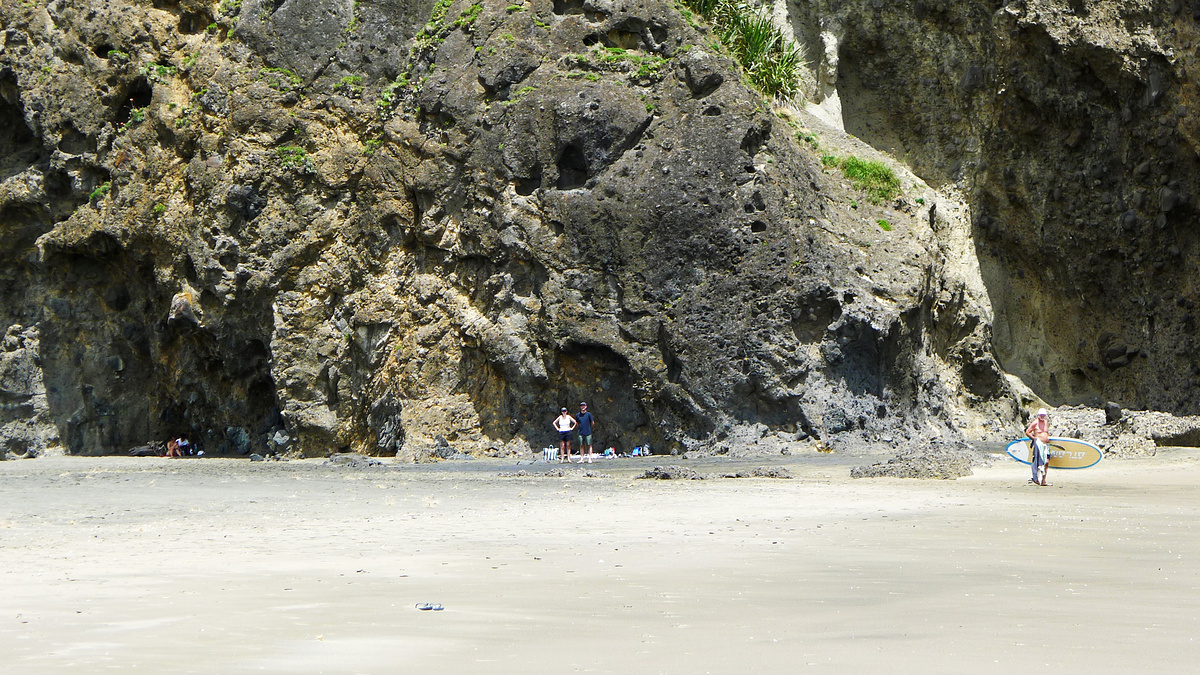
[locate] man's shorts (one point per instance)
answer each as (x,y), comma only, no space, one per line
(585,440)
(564,436)
(1041,453)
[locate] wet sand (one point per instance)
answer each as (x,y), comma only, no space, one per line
(227,566)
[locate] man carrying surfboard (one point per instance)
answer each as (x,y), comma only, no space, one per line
(1039,431)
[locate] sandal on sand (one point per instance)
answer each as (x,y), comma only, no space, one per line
(427,606)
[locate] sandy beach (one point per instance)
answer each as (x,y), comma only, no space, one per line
(228,566)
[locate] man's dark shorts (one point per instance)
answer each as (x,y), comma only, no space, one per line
(585,440)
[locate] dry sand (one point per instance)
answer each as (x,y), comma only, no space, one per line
(227,566)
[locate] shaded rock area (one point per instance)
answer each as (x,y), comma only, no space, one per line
(26,426)
(1071,129)
(328,226)
(943,461)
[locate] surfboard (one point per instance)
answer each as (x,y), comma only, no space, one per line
(1065,453)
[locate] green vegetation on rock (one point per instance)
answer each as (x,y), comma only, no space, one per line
(468,16)
(643,69)
(157,72)
(874,178)
(387,95)
(295,157)
(100,191)
(770,59)
(280,79)
(350,84)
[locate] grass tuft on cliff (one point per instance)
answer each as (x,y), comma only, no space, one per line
(770,59)
(877,180)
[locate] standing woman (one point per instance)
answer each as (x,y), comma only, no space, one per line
(1039,433)
(565,424)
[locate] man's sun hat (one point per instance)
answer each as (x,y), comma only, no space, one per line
(1042,412)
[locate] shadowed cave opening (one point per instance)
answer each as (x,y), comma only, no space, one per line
(19,147)
(511,406)
(572,168)
(139,95)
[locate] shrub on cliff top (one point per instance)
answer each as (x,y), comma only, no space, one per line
(770,59)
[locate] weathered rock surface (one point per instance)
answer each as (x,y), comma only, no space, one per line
(1072,130)
(1137,433)
(284,234)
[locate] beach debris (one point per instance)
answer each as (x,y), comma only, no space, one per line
(675,472)
(255,457)
(151,449)
(760,472)
(429,607)
(352,460)
(945,461)
(672,472)
(560,472)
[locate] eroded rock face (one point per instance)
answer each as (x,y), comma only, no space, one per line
(1072,127)
(275,234)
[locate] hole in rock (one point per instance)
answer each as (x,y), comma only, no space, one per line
(139,95)
(712,111)
(572,168)
(191,23)
(758,226)
(755,137)
(623,39)
(75,142)
(526,186)
(72,57)
(562,7)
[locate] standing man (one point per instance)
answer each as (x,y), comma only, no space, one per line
(586,422)
(1039,433)
(564,424)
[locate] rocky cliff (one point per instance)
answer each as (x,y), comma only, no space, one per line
(393,227)
(1071,127)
